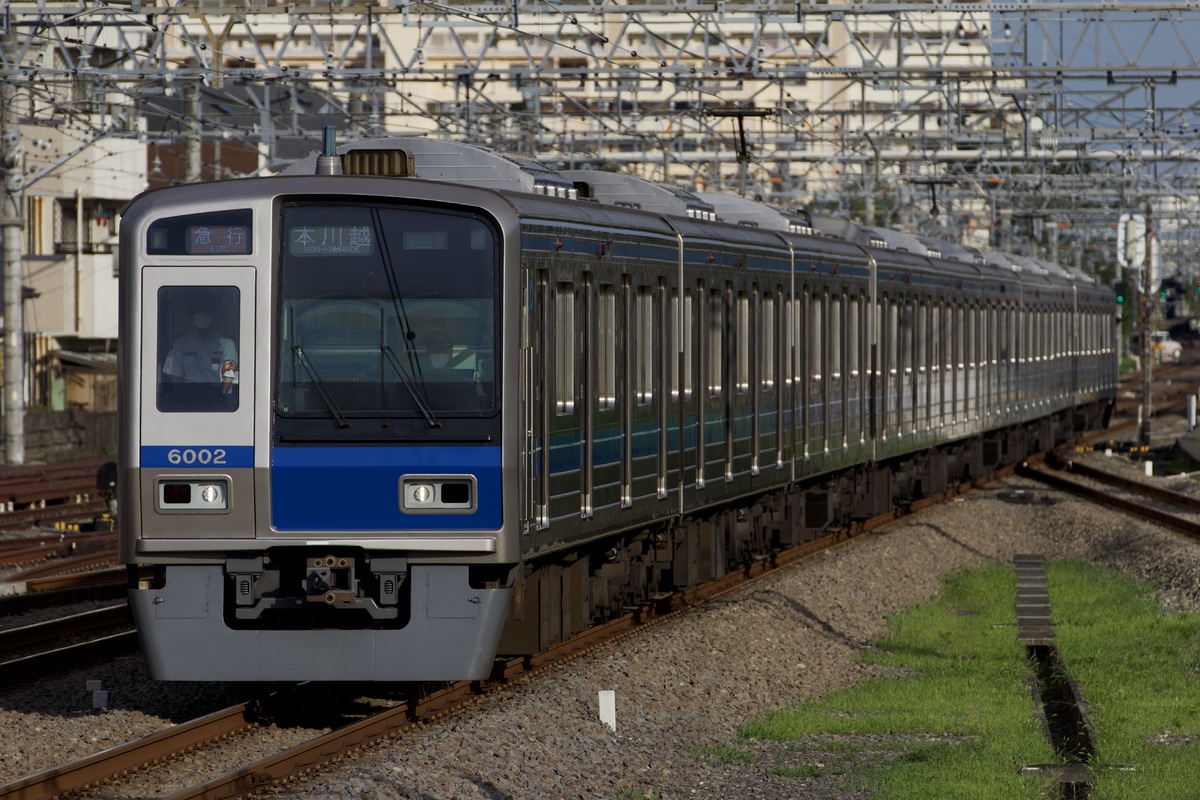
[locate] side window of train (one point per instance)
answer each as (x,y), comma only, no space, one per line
(606,349)
(836,336)
(853,321)
(716,341)
(197,342)
(798,338)
(671,354)
(816,347)
(743,343)
(685,345)
(564,344)
(769,333)
(647,335)
(671,344)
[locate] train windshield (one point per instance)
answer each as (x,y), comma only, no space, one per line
(386,311)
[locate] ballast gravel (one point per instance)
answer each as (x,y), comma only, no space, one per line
(682,689)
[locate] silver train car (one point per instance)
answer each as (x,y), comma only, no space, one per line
(414,404)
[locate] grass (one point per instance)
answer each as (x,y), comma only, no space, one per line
(1139,670)
(951,715)
(953,707)
(724,755)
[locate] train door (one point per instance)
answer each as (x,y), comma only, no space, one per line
(739,452)
(887,365)
(562,423)
(661,381)
(815,374)
(855,379)
(715,403)
(768,399)
(803,364)
(685,357)
(908,351)
(533,400)
(540,397)
(835,399)
(583,386)
(703,365)
(197,400)
(607,436)
(672,405)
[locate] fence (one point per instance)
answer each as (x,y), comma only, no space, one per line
(53,436)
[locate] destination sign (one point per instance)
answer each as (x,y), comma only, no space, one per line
(325,240)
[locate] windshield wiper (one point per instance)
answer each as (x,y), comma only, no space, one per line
(416,393)
(321,388)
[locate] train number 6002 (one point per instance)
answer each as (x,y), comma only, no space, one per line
(195,455)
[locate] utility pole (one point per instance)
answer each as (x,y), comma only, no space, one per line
(12,205)
(1147,346)
(191,148)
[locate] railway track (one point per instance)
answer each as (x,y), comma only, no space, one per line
(108,632)
(328,748)
(42,494)
(1172,509)
(407,713)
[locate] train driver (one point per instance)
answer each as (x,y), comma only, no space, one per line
(438,352)
(202,355)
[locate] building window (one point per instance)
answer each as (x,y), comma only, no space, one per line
(93,232)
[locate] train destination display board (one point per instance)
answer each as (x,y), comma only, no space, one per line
(324,240)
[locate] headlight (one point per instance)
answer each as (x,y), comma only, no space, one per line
(438,493)
(193,495)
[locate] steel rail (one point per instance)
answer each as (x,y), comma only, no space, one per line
(57,573)
(103,766)
(57,512)
(68,656)
(1058,480)
(1137,487)
(52,592)
(38,632)
(330,747)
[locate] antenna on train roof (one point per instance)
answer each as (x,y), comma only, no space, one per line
(328,163)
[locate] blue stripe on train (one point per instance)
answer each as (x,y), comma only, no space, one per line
(358,488)
(192,456)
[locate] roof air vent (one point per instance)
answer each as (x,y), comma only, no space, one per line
(392,163)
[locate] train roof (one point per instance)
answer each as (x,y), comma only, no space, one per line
(755,213)
(516,175)
(889,239)
(869,235)
(618,189)
(950,251)
(442,160)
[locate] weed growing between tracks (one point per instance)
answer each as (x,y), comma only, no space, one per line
(949,711)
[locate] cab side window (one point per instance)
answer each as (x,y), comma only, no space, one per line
(198,362)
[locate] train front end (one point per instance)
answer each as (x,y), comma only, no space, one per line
(316,482)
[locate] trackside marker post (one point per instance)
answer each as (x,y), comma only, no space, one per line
(608,708)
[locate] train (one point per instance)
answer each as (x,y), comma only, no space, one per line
(412,405)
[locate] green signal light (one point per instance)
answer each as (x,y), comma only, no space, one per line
(1121,297)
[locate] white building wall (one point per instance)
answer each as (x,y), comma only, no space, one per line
(75,286)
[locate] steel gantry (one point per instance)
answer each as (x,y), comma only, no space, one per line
(1005,118)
